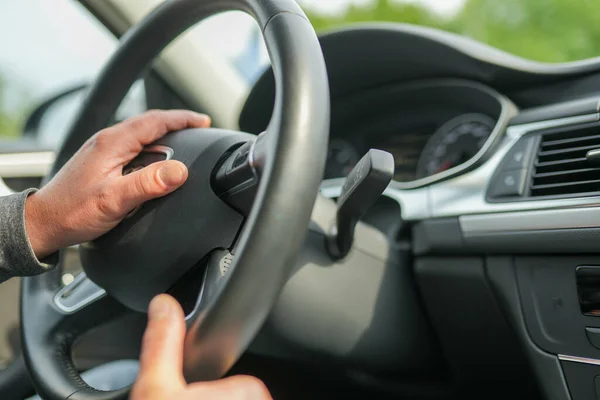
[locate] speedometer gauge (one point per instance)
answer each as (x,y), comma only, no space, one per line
(454,143)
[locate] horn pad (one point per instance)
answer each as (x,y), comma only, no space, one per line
(155,245)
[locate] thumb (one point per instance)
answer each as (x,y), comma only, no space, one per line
(155,180)
(161,358)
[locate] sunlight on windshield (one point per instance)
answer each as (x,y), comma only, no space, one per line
(45,56)
(541,30)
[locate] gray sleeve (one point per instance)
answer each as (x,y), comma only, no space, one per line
(16,256)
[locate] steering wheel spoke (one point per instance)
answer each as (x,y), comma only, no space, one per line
(61,317)
(78,294)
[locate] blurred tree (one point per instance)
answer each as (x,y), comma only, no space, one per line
(544,30)
(9,121)
(541,30)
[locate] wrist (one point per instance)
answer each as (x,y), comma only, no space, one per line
(36,226)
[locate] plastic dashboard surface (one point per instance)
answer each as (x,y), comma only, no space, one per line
(389,71)
(375,72)
(381,72)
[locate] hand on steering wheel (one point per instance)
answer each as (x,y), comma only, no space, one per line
(103,197)
(58,216)
(232,257)
(161,363)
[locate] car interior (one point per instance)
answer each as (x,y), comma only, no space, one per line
(394,211)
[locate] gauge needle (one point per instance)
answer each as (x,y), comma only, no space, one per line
(446,165)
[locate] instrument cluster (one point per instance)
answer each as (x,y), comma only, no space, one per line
(418,153)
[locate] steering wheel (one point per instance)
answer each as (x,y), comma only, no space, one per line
(228,237)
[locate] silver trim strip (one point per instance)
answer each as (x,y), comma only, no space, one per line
(95,293)
(507,111)
(581,360)
(570,218)
(466,195)
(158,148)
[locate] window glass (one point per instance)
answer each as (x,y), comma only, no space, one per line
(48,46)
(541,30)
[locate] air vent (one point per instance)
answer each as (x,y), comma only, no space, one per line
(562,165)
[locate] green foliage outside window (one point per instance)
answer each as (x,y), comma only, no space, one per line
(10,119)
(541,30)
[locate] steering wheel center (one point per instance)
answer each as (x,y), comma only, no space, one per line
(148,252)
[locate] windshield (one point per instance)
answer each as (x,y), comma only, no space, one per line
(549,31)
(44,57)
(540,30)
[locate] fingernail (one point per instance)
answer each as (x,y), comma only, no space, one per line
(172,174)
(159,308)
(207,121)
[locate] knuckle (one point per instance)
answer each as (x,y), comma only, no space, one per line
(152,116)
(147,121)
(138,124)
(146,182)
(101,139)
(106,203)
(154,112)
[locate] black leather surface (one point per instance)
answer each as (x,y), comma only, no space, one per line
(14,380)
(275,229)
(48,335)
(164,239)
(277,225)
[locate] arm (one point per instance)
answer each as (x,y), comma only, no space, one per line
(89,196)
(17,258)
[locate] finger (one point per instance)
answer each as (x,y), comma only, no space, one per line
(152,125)
(161,358)
(155,180)
(126,139)
(232,388)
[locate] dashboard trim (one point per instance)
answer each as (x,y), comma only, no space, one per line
(508,110)
(581,360)
(465,196)
(445,129)
(569,218)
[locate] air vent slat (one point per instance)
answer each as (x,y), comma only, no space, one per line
(567,173)
(557,185)
(583,149)
(561,162)
(566,177)
(561,167)
(561,143)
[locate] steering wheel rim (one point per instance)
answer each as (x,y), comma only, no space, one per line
(296,147)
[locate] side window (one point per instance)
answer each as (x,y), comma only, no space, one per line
(49,47)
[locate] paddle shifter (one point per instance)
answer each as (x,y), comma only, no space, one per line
(363,186)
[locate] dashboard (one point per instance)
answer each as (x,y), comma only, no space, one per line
(492,215)
(432,128)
